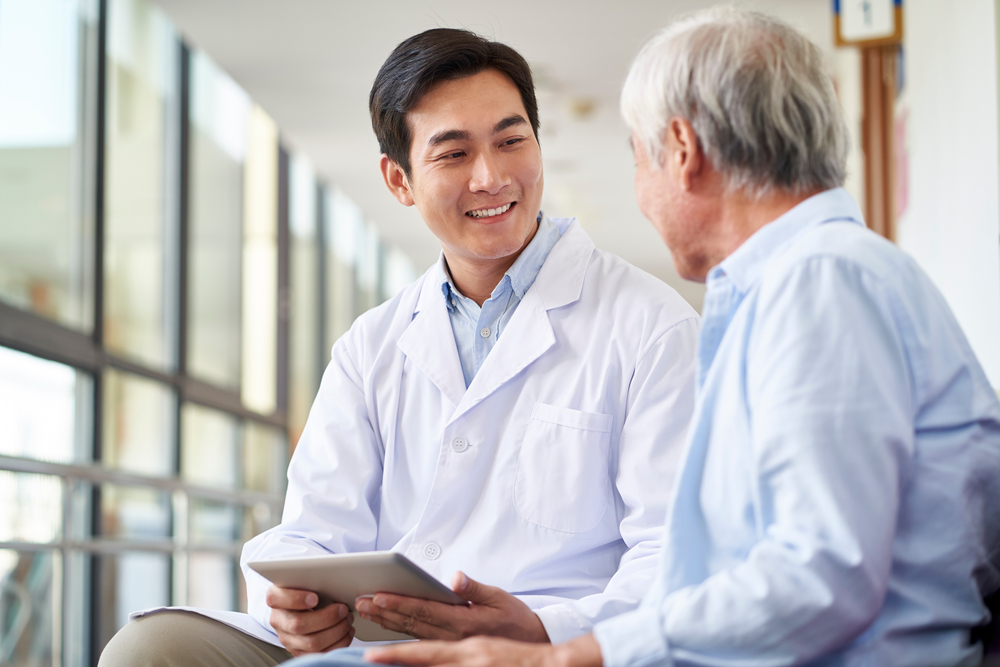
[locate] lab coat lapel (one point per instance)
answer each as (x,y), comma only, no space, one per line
(529,333)
(429,342)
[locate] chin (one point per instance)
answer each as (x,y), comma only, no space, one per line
(496,251)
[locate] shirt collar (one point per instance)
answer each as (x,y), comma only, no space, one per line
(521,274)
(746,264)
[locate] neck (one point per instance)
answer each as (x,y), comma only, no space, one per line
(741,216)
(476,278)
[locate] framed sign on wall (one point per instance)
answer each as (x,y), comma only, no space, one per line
(867,22)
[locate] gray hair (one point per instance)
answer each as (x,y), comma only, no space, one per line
(754,90)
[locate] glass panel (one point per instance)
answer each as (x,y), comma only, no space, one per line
(209,446)
(46,157)
(130,581)
(134,513)
(368,258)
(44,408)
(397,272)
(76,633)
(264,458)
(305,347)
(78,525)
(30,507)
(220,112)
(214,522)
(212,581)
(30,608)
(138,424)
(257,519)
(260,266)
(141,144)
(343,224)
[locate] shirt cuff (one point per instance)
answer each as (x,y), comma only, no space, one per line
(634,639)
(561,624)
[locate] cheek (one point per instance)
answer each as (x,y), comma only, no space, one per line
(529,169)
(642,194)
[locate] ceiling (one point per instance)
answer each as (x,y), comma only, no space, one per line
(310,65)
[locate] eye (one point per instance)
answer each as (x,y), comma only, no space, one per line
(512,142)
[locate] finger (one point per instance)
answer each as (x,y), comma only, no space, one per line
(397,622)
(290,598)
(308,622)
(432,613)
(391,620)
(416,653)
(326,639)
(471,590)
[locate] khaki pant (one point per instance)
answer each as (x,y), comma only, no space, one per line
(186,639)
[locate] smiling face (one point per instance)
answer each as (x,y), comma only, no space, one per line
(476,168)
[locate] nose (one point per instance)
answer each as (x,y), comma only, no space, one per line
(488,174)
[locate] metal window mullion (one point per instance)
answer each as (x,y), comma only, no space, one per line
(321,270)
(284,250)
(98,329)
(99,475)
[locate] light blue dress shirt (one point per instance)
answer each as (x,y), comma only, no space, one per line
(476,328)
(839,501)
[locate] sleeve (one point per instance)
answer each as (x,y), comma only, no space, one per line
(829,401)
(659,406)
(334,479)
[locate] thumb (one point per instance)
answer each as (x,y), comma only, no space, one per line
(471,590)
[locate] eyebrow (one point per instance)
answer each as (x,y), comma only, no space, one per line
(448,135)
(509,121)
(462,135)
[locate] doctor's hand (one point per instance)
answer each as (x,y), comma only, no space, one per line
(491,611)
(302,628)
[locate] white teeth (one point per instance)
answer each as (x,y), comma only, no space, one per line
(490,212)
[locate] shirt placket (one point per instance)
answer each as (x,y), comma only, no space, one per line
(489,320)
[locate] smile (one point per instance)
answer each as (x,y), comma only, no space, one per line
(490,212)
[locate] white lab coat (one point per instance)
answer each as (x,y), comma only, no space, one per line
(549,476)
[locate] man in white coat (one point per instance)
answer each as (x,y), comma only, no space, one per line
(514,417)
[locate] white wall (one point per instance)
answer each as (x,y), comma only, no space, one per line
(846,70)
(952,221)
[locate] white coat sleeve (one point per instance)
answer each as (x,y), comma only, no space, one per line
(334,478)
(659,406)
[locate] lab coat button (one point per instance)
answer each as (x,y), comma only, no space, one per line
(485,333)
(460,444)
(432,551)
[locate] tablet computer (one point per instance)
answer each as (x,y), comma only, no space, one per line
(345,577)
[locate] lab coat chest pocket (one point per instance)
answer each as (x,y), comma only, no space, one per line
(563,480)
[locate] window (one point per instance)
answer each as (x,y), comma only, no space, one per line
(142,123)
(47,112)
(219,135)
(171,281)
(305,304)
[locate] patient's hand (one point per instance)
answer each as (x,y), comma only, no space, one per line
(302,628)
(490,652)
(492,612)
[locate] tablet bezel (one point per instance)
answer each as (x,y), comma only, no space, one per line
(345,577)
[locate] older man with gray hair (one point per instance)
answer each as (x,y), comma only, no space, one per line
(838,500)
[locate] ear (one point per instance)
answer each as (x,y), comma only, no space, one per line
(396,181)
(684,152)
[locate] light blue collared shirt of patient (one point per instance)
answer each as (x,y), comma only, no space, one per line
(838,501)
(476,328)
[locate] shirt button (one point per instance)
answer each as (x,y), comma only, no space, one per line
(432,551)
(459,444)
(485,333)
